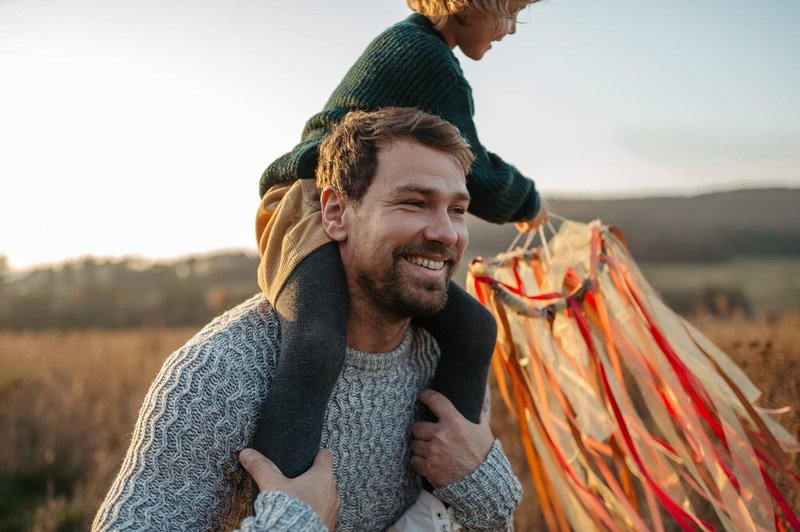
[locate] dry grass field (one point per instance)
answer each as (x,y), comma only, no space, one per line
(68,401)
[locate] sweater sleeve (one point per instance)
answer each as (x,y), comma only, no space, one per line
(500,193)
(278,511)
(181,470)
(486,498)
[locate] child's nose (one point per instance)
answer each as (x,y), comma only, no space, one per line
(512,26)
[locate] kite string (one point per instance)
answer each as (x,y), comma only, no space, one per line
(545,247)
(531,235)
(514,242)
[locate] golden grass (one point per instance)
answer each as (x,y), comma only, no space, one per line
(68,401)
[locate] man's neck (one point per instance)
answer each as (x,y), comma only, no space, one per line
(371,331)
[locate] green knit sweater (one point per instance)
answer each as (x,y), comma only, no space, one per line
(410,65)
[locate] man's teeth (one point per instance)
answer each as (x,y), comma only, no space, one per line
(425,263)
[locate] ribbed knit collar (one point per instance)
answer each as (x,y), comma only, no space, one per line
(379,361)
(424,23)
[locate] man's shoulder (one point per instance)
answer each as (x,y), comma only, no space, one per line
(247,334)
(252,316)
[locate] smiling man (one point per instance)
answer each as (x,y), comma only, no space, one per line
(402,238)
(394,199)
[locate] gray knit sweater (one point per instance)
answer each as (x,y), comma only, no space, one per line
(181,471)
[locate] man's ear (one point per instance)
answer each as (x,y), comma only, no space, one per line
(335,214)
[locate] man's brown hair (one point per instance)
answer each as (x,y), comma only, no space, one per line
(348,157)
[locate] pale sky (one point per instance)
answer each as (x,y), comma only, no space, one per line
(141,127)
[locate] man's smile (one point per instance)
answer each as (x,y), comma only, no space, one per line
(426,263)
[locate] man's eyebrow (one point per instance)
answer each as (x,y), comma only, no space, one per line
(425,191)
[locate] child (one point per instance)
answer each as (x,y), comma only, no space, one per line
(409,65)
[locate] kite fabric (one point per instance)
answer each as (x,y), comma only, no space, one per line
(631,419)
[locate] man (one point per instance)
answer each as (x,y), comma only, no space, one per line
(401,231)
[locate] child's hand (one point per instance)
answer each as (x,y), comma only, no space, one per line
(451,448)
(541,217)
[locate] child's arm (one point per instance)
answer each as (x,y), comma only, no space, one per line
(499,192)
(541,216)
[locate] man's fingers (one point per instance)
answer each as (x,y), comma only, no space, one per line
(423,430)
(420,448)
(324,459)
(420,465)
(485,418)
(440,405)
(321,488)
(261,468)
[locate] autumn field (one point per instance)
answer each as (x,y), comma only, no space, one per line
(68,401)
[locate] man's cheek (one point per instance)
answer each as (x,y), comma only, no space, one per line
(463,238)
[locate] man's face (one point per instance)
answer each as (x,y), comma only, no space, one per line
(408,232)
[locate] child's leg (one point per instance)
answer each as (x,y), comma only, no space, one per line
(466,333)
(427,513)
(313,307)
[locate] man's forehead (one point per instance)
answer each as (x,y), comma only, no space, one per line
(425,187)
(405,164)
(404,148)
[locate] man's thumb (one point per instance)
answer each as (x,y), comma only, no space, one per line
(259,466)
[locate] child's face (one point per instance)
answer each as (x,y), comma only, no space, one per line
(475,32)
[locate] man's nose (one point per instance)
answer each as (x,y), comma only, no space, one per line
(440,229)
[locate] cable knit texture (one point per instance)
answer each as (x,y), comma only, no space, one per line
(181,471)
(280,511)
(410,65)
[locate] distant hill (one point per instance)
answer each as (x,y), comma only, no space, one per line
(130,292)
(708,227)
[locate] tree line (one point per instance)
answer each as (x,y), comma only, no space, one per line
(120,293)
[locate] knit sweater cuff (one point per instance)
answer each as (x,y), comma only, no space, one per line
(277,511)
(486,498)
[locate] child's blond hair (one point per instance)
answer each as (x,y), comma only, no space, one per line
(437,11)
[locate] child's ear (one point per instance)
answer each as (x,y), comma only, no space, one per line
(465,19)
(335,214)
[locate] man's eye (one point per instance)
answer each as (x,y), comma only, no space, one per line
(413,203)
(459,210)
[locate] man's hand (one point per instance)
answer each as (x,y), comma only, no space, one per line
(540,218)
(451,448)
(315,487)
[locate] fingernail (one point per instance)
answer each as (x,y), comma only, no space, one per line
(246,456)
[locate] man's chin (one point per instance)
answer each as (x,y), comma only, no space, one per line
(404,296)
(426,301)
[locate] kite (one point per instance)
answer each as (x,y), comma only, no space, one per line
(631,419)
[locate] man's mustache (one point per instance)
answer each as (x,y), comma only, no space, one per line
(426,248)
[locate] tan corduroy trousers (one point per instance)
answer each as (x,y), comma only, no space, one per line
(288,229)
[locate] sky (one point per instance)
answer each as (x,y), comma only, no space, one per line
(141,127)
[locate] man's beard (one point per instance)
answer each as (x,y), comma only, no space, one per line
(400,297)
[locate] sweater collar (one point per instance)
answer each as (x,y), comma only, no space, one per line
(425,24)
(380,361)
